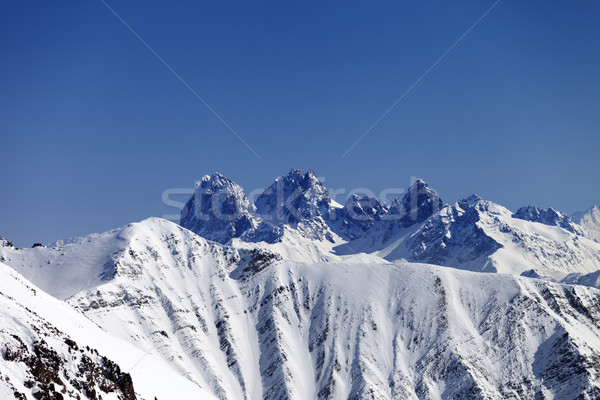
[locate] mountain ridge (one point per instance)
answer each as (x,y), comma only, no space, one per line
(471,234)
(248,324)
(340,301)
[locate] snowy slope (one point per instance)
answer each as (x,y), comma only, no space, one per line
(547,217)
(300,297)
(47,348)
(589,220)
(78,263)
(267,328)
(247,324)
(295,218)
(480,235)
(251,325)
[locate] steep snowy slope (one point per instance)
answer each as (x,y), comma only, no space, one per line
(50,351)
(547,217)
(480,235)
(589,220)
(248,324)
(78,263)
(266,328)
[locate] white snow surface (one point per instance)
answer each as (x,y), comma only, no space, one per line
(479,235)
(250,324)
(29,314)
(590,221)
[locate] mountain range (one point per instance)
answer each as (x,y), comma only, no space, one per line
(294,296)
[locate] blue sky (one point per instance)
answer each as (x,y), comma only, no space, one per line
(94,127)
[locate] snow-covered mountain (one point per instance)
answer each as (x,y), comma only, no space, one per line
(248,324)
(48,350)
(547,217)
(219,209)
(480,235)
(297,296)
(296,218)
(590,221)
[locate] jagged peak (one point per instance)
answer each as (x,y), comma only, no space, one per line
(216,180)
(297,178)
(364,204)
(472,199)
(5,242)
(548,216)
(536,212)
(298,195)
(418,204)
(480,204)
(420,188)
(418,184)
(218,210)
(294,172)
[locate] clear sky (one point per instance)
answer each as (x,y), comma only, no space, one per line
(94,127)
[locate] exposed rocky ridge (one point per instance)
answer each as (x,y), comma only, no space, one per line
(548,217)
(5,242)
(60,370)
(479,235)
(299,201)
(359,215)
(294,198)
(454,236)
(219,209)
(419,203)
(296,218)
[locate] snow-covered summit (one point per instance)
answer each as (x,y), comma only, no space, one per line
(546,216)
(293,198)
(296,218)
(359,215)
(418,204)
(218,210)
(246,321)
(322,301)
(589,219)
(298,203)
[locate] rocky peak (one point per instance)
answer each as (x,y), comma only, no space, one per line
(5,243)
(366,206)
(418,204)
(293,198)
(360,214)
(471,200)
(546,216)
(218,210)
